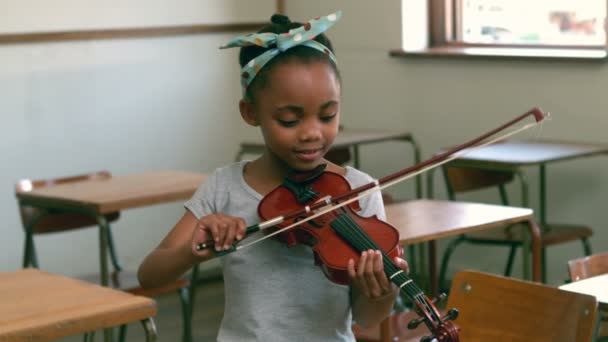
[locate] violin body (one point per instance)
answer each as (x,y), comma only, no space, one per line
(332,252)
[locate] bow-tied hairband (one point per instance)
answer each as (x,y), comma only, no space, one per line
(302,35)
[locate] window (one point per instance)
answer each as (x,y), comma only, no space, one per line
(530,28)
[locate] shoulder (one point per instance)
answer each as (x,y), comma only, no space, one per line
(357,177)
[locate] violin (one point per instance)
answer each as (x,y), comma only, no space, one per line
(343,234)
(318,209)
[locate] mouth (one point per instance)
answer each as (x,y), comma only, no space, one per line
(309,154)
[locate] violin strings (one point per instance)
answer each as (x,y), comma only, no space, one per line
(361,241)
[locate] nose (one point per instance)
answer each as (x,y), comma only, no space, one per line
(310,130)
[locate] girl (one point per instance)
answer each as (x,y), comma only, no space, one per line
(291,91)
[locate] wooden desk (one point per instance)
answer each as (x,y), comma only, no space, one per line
(101,196)
(596,286)
(513,155)
(354,138)
(40,306)
(428,220)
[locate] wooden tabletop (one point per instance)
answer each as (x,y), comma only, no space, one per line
(40,306)
(596,286)
(120,192)
(533,152)
(349,137)
(426,220)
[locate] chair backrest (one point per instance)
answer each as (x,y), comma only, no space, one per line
(496,308)
(463,179)
(589,266)
(54,222)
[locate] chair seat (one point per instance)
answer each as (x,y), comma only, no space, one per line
(551,234)
(398,328)
(127,281)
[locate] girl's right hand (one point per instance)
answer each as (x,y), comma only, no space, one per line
(220,228)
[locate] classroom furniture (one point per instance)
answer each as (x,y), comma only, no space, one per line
(587,267)
(496,165)
(351,138)
(496,308)
(96,199)
(40,306)
(426,220)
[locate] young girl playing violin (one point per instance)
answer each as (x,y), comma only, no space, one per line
(291,91)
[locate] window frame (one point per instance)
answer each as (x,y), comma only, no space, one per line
(443,40)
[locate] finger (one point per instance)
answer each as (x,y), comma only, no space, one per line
(241,229)
(381,278)
(230,235)
(200,236)
(213,228)
(370,274)
(351,270)
(360,274)
(402,264)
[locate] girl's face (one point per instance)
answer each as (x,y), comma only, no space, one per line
(298,112)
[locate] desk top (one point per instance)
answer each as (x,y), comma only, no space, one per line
(40,306)
(426,220)
(596,286)
(520,153)
(350,137)
(119,192)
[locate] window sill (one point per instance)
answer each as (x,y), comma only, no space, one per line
(505,53)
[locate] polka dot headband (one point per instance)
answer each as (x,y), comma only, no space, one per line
(302,35)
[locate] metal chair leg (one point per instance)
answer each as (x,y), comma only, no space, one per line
(446,256)
(193,284)
(586,246)
(510,260)
(122,333)
(184,297)
(543,258)
(150,329)
(112,250)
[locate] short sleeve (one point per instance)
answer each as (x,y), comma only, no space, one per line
(372,204)
(203,201)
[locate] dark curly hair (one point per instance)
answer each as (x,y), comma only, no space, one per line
(281,24)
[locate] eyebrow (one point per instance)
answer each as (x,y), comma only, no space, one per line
(300,110)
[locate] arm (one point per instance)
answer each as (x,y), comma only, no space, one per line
(172,257)
(176,254)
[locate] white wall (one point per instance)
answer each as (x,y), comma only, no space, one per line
(123,105)
(447,101)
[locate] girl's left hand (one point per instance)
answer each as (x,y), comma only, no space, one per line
(368,276)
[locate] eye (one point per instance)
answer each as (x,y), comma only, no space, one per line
(328,118)
(287,123)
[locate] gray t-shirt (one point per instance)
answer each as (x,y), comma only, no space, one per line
(274,292)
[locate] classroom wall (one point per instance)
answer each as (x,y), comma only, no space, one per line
(133,105)
(448,101)
(124,105)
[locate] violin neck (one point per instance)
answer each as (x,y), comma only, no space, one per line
(350,231)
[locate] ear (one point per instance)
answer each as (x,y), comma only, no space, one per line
(248,112)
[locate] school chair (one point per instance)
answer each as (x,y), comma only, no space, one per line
(61,221)
(497,308)
(591,266)
(466,179)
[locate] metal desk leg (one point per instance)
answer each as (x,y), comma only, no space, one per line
(150,329)
(534,237)
(357,161)
(542,195)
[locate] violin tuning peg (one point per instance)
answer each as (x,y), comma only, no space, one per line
(440,298)
(428,339)
(451,315)
(413,324)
